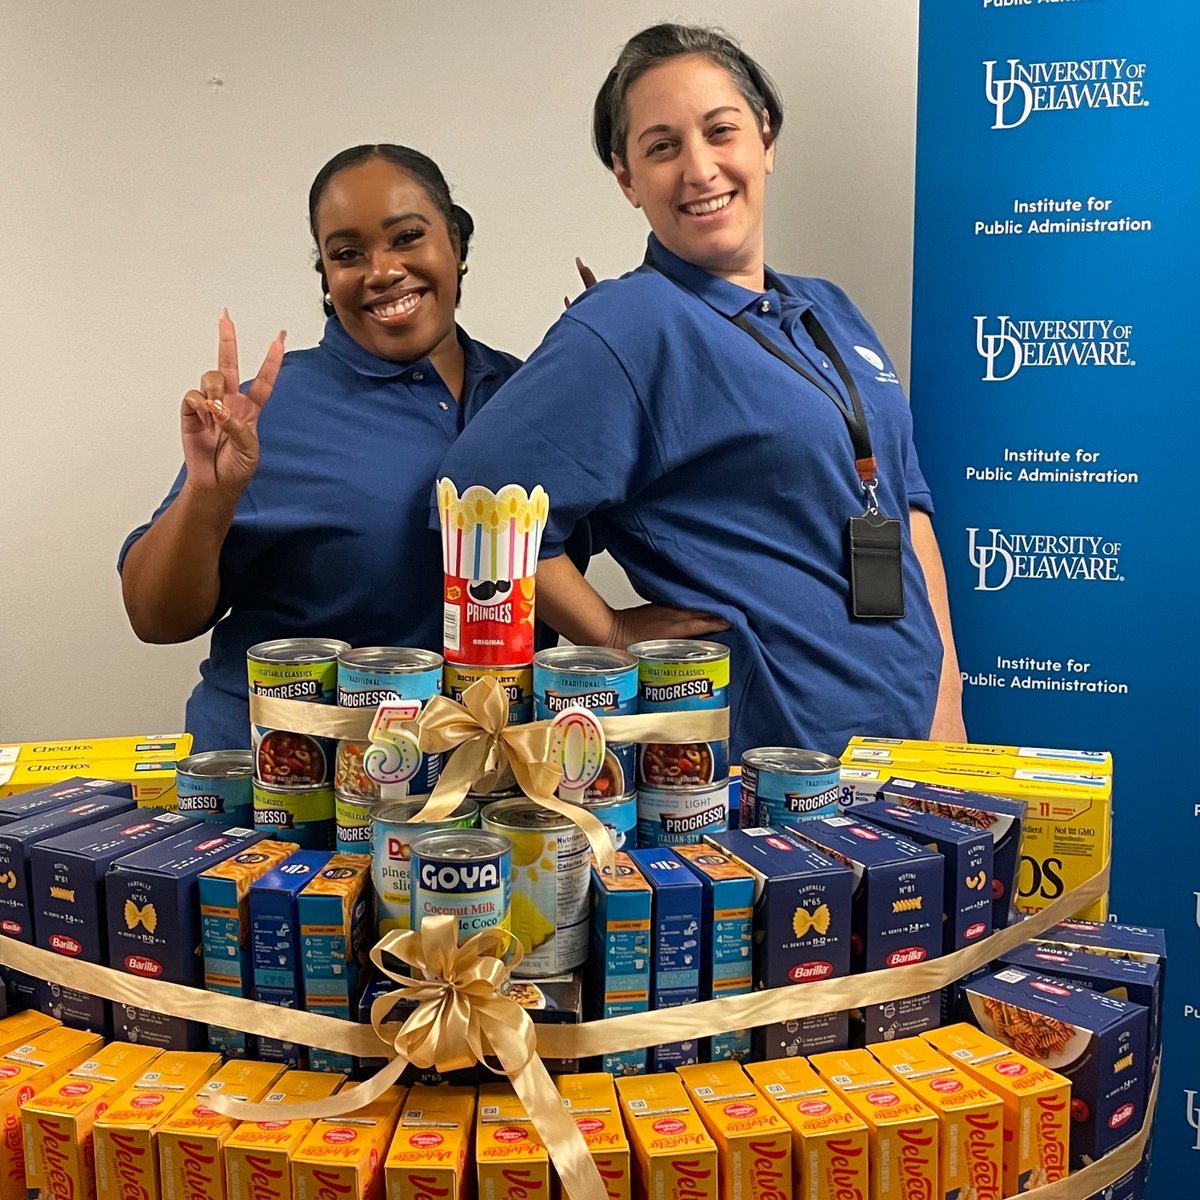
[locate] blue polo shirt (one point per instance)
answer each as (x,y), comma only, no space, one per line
(721,480)
(332,536)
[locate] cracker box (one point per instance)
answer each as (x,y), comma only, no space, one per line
(1099,1043)
(1037,1103)
(675,963)
(592,1102)
(868,749)
(511,1158)
(56,795)
(727,940)
(58,1120)
(801,930)
(429,1154)
(151,779)
(136,746)
(754,1144)
(970,1118)
(190,1141)
(902,1132)
(896,913)
(829,1139)
(258,1154)
(674,1157)
(618,966)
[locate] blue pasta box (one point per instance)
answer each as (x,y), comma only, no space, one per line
(801,931)
(678,912)
(275,1050)
(895,916)
(58,794)
(1135,942)
(618,965)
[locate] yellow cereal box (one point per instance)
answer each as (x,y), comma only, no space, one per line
(592,1100)
(153,779)
(258,1154)
(428,1154)
(126,1153)
(58,1120)
(511,1159)
(903,1132)
(864,750)
(675,1157)
(343,1156)
(829,1139)
(136,746)
(970,1117)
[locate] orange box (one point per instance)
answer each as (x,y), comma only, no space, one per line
(126,1152)
(511,1159)
(1037,1104)
(829,1139)
(428,1155)
(190,1140)
(23,1027)
(343,1156)
(258,1154)
(58,1120)
(970,1117)
(902,1132)
(675,1157)
(592,1101)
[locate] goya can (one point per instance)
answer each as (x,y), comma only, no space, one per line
(516,683)
(551,881)
(488,621)
(678,675)
(372,675)
(678,816)
(619,815)
(216,786)
(785,783)
(392,834)
(293,669)
(352,822)
(463,873)
(602,680)
(303,815)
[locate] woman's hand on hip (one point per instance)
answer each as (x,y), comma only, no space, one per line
(650,622)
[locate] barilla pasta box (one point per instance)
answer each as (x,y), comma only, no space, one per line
(801,930)
(592,1102)
(147,745)
(191,1139)
(58,1120)
(225,932)
(1097,1042)
(126,1149)
(902,1132)
(673,1154)
(511,1158)
(56,795)
(754,1143)
(727,940)
(429,1154)
(829,1139)
(618,966)
(675,944)
(24,1071)
(970,1118)
(896,913)
(150,779)
(258,1154)
(1037,1103)
(869,749)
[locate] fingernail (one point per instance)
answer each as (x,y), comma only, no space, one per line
(218,405)
(578,261)
(225,313)
(282,335)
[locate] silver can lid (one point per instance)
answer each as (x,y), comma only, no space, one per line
(585,660)
(218,764)
(297,650)
(401,659)
(522,814)
(790,760)
(459,845)
(679,650)
(400,812)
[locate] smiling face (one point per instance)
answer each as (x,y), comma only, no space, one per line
(390,261)
(696,162)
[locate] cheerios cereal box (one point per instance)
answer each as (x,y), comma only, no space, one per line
(674,1156)
(511,1158)
(591,1100)
(428,1156)
(344,1155)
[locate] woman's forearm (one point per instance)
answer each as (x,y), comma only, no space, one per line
(570,605)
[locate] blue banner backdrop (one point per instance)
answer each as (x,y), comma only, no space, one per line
(1054,316)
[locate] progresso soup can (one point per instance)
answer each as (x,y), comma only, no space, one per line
(293,669)
(678,675)
(352,822)
(783,783)
(302,814)
(216,786)
(516,682)
(679,816)
(464,873)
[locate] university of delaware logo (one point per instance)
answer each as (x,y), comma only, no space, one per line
(1007,344)
(1017,90)
(1004,557)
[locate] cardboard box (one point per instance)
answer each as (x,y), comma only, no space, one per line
(55,795)
(151,779)
(674,1157)
(23,1027)
(867,749)
(429,1153)
(511,1158)
(136,746)
(592,1101)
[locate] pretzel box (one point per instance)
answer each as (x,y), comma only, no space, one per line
(754,1144)
(343,1156)
(258,1154)
(1036,1101)
(829,1139)
(55,795)
(674,1156)
(592,1102)
(511,1158)
(429,1152)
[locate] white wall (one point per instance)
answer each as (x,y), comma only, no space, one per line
(156,165)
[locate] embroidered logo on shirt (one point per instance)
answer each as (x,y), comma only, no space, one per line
(884,376)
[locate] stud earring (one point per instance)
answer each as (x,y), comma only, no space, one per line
(462,269)
(329,299)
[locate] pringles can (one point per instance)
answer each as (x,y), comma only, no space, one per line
(217,786)
(463,873)
(783,783)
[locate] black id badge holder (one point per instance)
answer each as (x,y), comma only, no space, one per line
(876,573)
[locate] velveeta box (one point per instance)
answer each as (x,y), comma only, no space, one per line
(429,1153)
(258,1154)
(674,1156)
(754,1144)
(58,1120)
(903,1132)
(592,1102)
(970,1118)
(151,779)
(829,1139)
(1037,1103)
(512,1161)
(343,1156)
(23,1027)
(190,1140)
(55,795)
(125,1135)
